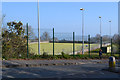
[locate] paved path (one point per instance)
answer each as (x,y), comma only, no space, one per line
(37,63)
(79,69)
(87,70)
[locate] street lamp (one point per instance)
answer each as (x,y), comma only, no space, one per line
(38,30)
(100,25)
(110,37)
(82,9)
(100,33)
(110,28)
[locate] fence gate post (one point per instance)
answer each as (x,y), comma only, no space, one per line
(73,43)
(111,47)
(89,44)
(53,41)
(27,41)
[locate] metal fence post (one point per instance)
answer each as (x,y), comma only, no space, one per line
(53,41)
(73,43)
(27,41)
(111,47)
(89,44)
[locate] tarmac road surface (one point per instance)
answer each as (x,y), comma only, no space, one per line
(87,70)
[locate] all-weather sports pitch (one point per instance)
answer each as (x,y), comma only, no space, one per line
(58,47)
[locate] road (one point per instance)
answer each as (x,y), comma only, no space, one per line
(86,70)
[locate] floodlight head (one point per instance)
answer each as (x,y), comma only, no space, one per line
(81,9)
(99,16)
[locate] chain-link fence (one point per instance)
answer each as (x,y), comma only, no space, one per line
(79,44)
(94,45)
(109,46)
(63,43)
(46,37)
(23,41)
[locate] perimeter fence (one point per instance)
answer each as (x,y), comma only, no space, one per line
(23,42)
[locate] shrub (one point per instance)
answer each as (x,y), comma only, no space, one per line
(55,57)
(66,56)
(95,51)
(45,54)
(14,41)
(60,56)
(62,53)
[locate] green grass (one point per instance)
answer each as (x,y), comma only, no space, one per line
(59,47)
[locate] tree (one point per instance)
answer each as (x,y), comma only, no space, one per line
(1,21)
(96,38)
(1,24)
(31,34)
(116,38)
(106,38)
(55,38)
(14,40)
(116,43)
(45,36)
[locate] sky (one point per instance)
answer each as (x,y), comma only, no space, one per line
(60,0)
(65,17)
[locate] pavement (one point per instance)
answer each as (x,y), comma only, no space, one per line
(58,69)
(38,63)
(114,69)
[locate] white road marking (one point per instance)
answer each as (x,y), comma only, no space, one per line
(10,76)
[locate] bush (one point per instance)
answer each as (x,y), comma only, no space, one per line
(62,53)
(55,57)
(66,56)
(45,54)
(14,41)
(59,56)
(95,51)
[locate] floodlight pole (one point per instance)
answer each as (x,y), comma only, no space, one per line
(38,30)
(110,29)
(110,38)
(82,30)
(100,34)
(100,26)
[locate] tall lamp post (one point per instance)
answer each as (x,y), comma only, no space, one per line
(82,30)
(100,25)
(100,34)
(110,37)
(110,28)
(38,30)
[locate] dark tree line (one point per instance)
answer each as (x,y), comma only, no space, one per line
(105,38)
